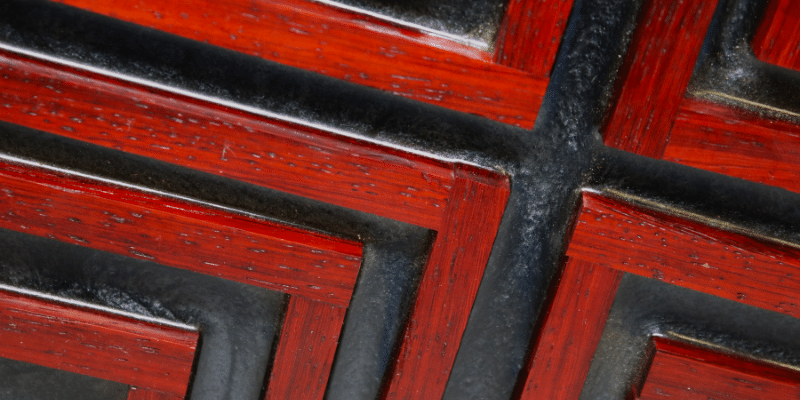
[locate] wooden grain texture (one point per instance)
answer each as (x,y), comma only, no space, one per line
(462,203)
(655,74)
(680,371)
(147,394)
(95,343)
(562,351)
(449,284)
(688,254)
(737,143)
(530,35)
(178,234)
(171,128)
(304,357)
(347,46)
(307,265)
(777,40)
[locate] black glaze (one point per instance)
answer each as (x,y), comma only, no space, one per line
(544,191)
(729,71)
(749,207)
(473,22)
(23,381)
(548,166)
(645,307)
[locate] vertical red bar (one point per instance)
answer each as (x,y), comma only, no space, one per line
(449,285)
(777,40)
(656,72)
(572,328)
(306,348)
(530,34)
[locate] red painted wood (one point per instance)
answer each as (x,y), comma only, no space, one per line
(147,394)
(305,352)
(347,46)
(95,343)
(449,285)
(680,371)
(737,143)
(653,118)
(530,34)
(688,254)
(655,74)
(573,323)
(465,210)
(175,129)
(178,234)
(777,40)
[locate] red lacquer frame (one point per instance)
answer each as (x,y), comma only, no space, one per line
(652,117)
(317,271)
(657,68)
(682,371)
(777,40)
(463,203)
(156,359)
(507,86)
(612,237)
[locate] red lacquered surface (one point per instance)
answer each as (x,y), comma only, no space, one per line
(464,204)
(347,46)
(573,324)
(311,267)
(306,349)
(225,142)
(146,394)
(777,40)
(737,143)
(95,343)
(530,34)
(612,237)
(178,234)
(652,117)
(688,254)
(680,371)
(655,74)
(449,285)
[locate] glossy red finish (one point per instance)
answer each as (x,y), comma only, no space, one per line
(313,268)
(612,237)
(464,204)
(225,142)
(653,79)
(737,143)
(687,253)
(449,285)
(348,46)
(530,35)
(573,324)
(681,371)
(179,234)
(305,350)
(96,343)
(776,40)
(652,118)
